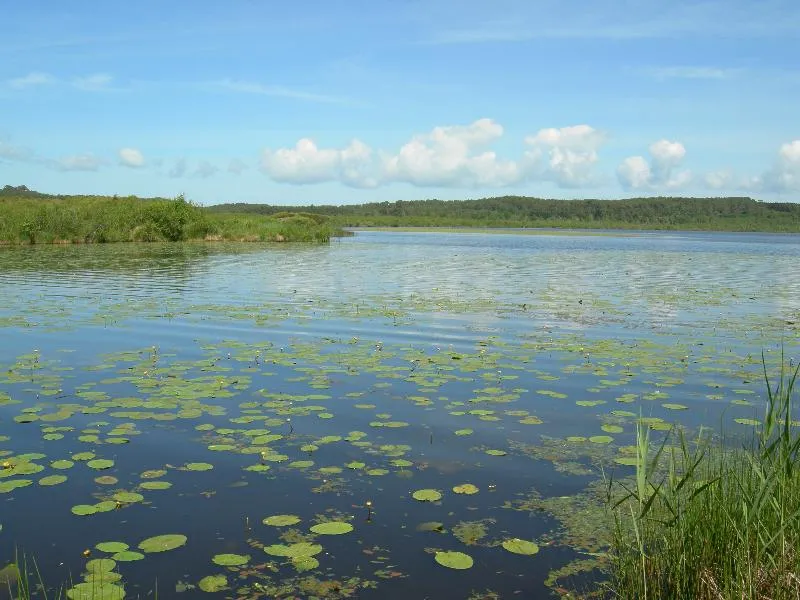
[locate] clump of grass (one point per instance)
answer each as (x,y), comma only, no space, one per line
(708,522)
(23,581)
(45,219)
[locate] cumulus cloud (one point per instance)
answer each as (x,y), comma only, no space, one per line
(446,156)
(31,79)
(131,157)
(450,156)
(784,176)
(78,162)
(635,173)
(565,156)
(307,163)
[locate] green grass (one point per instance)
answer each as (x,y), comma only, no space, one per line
(23,581)
(97,219)
(705,521)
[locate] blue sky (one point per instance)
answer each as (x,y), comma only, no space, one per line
(356,101)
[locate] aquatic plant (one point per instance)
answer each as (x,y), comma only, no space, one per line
(701,520)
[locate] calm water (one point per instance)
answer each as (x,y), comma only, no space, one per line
(317,378)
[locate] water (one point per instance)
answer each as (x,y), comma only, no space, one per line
(376,366)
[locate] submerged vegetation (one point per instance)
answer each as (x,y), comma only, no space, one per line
(31,218)
(702,521)
(711,214)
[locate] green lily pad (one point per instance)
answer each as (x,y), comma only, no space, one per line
(52,480)
(612,428)
(213,583)
(427,495)
(61,464)
(127,556)
(518,546)
(673,406)
(230,560)
(100,464)
(304,563)
(162,543)
(294,550)
(601,439)
(462,432)
(100,565)
(332,528)
(199,466)
(155,485)
(281,520)
(106,480)
(466,488)
(128,497)
(493,452)
(753,422)
(96,591)
(112,547)
(10,486)
(454,560)
(83,509)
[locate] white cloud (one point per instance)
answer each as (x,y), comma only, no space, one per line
(93,83)
(236,166)
(570,154)
(447,156)
(784,176)
(131,157)
(178,169)
(15,153)
(635,173)
(205,169)
(306,163)
(719,180)
(79,162)
(31,79)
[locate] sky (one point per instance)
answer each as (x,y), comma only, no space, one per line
(320,102)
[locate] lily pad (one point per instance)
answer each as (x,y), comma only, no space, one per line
(213,583)
(454,560)
(674,406)
(281,520)
(466,488)
(200,466)
(100,464)
(230,560)
(162,543)
(96,591)
(112,547)
(294,550)
(518,546)
(10,486)
(128,497)
(492,452)
(601,439)
(427,495)
(83,509)
(332,528)
(127,556)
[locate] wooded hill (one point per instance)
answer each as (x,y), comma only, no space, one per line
(724,214)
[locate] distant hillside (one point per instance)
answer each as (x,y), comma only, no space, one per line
(723,214)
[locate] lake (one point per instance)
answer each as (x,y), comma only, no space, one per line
(393,415)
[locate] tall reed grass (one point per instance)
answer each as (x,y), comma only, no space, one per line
(704,520)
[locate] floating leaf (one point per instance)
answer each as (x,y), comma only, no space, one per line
(155,485)
(201,466)
(162,543)
(673,406)
(493,452)
(100,565)
(466,488)
(454,560)
(100,464)
(427,495)
(518,546)
(753,422)
(332,528)
(464,432)
(61,464)
(96,591)
(52,480)
(601,439)
(304,563)
(294,550)
(213,583)
(612,428)
(281,520)
(127,556)
(112,547)
(230,560)
(106,480)
(83,509)
(128,497)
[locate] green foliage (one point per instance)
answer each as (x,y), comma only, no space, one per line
(28,217)
(724,214)
(702,521)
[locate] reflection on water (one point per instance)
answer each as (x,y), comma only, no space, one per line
(391,362)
